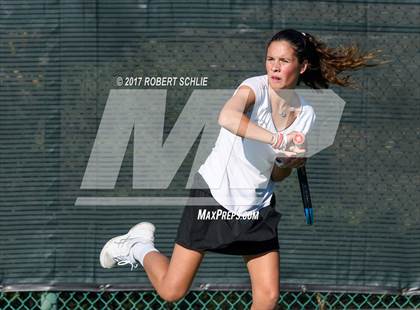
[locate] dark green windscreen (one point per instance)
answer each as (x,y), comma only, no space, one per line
(59,61)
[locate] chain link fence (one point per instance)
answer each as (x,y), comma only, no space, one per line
(199,300)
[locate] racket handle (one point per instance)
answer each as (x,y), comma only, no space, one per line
(306,195)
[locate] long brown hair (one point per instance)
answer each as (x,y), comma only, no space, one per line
(325,63)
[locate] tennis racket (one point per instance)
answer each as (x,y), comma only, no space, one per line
(298,141)
(306,195)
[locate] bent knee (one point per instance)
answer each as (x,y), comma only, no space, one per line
(172,294)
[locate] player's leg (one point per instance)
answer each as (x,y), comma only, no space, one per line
(264,270)
(171,278)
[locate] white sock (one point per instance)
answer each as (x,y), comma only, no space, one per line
(140,250)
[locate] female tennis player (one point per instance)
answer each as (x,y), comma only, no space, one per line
(258,124)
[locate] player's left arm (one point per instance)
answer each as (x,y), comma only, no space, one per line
(279,174)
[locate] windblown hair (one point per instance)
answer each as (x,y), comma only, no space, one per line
(325,63)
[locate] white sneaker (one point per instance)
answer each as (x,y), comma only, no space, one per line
(117,251)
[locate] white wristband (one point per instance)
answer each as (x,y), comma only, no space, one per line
(274,139)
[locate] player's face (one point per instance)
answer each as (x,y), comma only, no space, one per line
(282,65)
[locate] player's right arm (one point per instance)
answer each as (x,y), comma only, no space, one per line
(233,116)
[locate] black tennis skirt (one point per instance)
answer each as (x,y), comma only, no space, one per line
(207,228)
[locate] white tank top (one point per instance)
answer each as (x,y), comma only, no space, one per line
(238,170)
